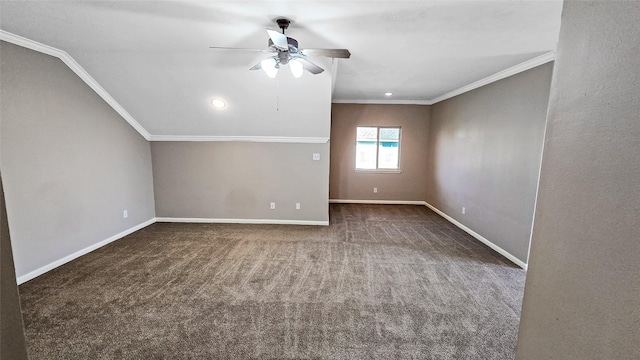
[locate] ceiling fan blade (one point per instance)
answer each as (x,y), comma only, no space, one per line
(257,66)
(240,49)
(279,40)
(332,53)
(309,66)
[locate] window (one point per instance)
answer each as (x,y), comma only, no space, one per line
(377,148)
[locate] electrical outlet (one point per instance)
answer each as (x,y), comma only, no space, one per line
(125,214)
(297,206)
(464,210)
(316,156)
(273,206)
(375,190)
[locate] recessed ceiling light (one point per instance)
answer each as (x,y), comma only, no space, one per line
(218,103)
(388,94)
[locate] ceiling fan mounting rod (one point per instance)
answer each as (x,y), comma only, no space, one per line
(283,23)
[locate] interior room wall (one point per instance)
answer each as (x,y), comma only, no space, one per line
(239,180)
(12,343)
(582,293)
(70,163)
(347,184)
(485,148)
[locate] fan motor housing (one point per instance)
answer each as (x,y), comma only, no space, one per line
(283,55)
(292,42)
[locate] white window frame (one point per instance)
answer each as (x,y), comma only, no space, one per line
(377,170)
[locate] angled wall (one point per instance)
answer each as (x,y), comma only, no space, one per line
(70,163)
(582,294)
(485,148)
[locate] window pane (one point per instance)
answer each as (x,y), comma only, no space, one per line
(367,133)
(389,134)
(388,155)
(366,155)
(366,143)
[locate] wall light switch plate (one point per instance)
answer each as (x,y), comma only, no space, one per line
(273,205)
(297,206)
(316,156)
(125,214)
(375,190)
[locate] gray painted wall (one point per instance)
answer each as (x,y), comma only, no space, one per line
(12,344)
(485,151)
(347,184)
(238,180)
(582,295)
(70,163)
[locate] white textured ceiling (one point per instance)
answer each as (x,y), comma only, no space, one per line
(153,57)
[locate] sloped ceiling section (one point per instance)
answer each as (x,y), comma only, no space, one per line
(154,57)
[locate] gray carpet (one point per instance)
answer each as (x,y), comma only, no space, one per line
(381,282)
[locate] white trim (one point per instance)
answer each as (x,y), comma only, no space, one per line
(271,139)
(524,66)
(384,101)
(77,254)
(241,221)
(82,73)
(379,202)
(483,240)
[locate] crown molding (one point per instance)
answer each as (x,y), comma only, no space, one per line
(263,139)
(384,102)
(524,66)
(80,71)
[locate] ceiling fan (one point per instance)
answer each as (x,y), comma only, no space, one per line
(286,51)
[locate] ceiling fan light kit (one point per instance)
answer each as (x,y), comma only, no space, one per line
(288,52)
(270,67)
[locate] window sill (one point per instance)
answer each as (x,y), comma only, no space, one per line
(378,171)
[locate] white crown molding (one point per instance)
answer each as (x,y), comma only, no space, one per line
(524,66)
(241,221)
(269,139)
(81,72)
(376,202)
(482,239)
(383,102)
(77,254)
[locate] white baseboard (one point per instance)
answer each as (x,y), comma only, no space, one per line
(77,254)
(35,273)
(241,221)
(376,202)
(482,239)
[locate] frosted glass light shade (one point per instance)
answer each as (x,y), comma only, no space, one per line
(270,67)
(296,68)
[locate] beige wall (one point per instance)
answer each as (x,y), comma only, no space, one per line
(485,150)
(347,184)
(70,163)
(238,180)
(582,294)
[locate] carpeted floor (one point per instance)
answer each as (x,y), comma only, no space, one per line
(381,282)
